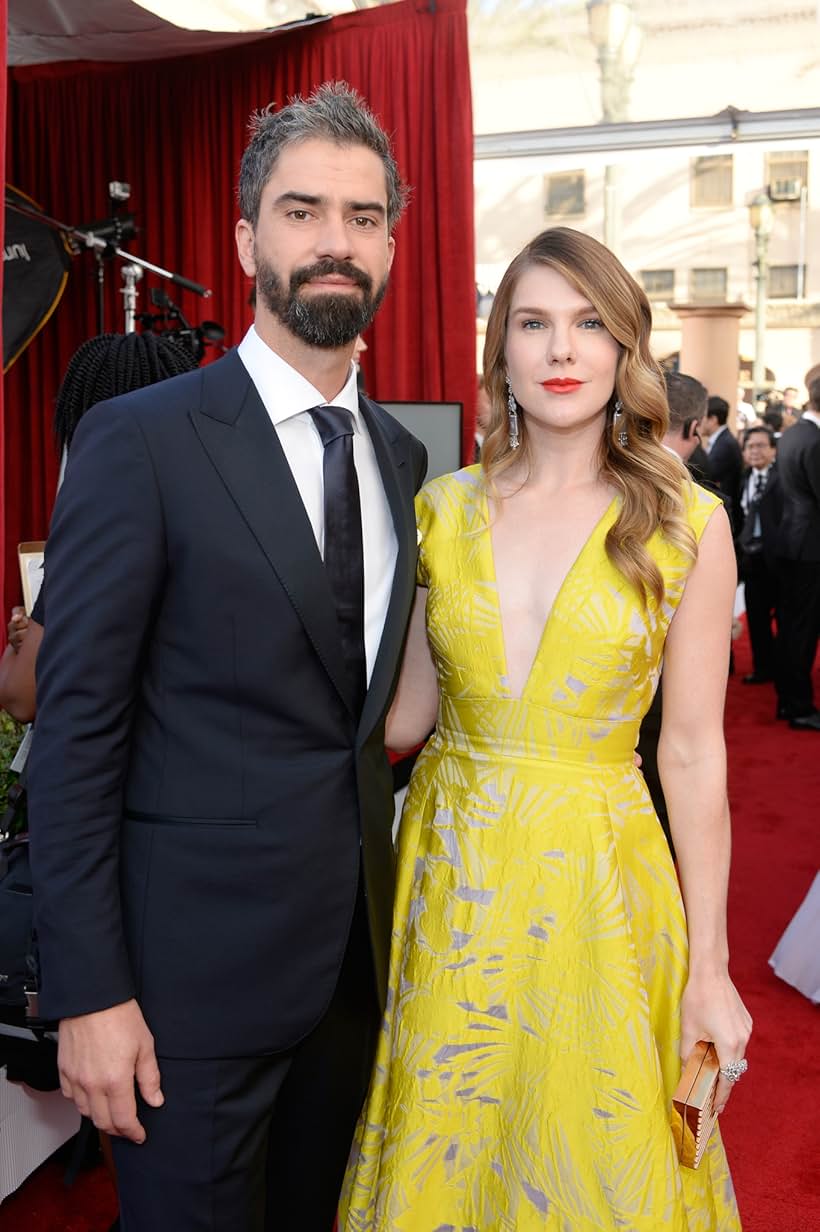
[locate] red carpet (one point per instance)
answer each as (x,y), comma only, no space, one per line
(771,1124)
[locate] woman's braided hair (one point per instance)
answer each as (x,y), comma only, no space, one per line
(113,364)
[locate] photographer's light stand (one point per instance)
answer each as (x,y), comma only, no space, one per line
(131,274)
(104,238)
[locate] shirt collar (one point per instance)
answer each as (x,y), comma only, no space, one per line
(812,416)
(285,393)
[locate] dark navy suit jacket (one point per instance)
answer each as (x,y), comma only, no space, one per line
(798,461)
(201,792)
(724,466)
(770,509)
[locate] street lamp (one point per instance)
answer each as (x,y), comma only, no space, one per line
(617,40)
(761,216)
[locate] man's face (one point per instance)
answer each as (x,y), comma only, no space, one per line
(708,425)
(758,453)
(790,399)
(320,251)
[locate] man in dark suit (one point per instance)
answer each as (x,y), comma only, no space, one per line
(798,458)
(229,577)
(761,506)
(686,398)
(724,461)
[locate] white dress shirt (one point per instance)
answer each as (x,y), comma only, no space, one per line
(288,397)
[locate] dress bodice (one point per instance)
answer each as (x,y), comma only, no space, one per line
(599,657)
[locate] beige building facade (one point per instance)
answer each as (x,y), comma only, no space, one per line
(681,213)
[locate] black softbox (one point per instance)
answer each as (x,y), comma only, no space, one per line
(35,270)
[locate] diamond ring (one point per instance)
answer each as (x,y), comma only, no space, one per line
(733,1070)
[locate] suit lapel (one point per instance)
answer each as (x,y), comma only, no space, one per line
(392,457)
(236,432)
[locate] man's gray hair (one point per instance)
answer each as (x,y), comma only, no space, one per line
(334,112)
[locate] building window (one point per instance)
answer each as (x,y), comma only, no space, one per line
(711,180)
(565,194)
(659,284)
(783,282)
(709,284)
(786,173)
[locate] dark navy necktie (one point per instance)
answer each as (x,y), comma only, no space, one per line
(344,555)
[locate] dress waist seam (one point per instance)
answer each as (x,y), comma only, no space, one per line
(504,750)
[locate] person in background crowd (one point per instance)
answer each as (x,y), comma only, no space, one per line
(535,1027)
(798,566)
(745,413)
(17,666)
(686,398)
(761,505)
(229,576)
(696,462)
(724,461)
(791,400)
(773,420)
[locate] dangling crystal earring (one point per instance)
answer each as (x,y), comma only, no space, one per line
(623,437)
(512,415)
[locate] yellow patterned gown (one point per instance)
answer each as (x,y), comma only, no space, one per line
(530,1047)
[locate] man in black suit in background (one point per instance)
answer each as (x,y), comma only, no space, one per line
(724,460)
(761,506)
(687,406)
(229,578)
(798,460)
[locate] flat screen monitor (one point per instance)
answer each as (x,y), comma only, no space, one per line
(438,426)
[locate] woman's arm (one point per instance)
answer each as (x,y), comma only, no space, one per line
(692,764)
(413,714)
(17,683)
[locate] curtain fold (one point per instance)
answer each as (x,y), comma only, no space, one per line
(175,131)
(3,49)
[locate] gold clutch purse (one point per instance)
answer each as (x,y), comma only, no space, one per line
(693,1104)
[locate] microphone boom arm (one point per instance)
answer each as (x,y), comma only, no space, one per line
(92,240)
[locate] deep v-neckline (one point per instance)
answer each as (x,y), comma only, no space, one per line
(593,534)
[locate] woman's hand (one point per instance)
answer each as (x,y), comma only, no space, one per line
(712,1010)
(17,628)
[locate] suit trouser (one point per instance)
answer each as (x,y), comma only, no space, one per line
(257,1144)
(798,628)
(760,586)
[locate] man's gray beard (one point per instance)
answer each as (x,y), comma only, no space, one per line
(325,321)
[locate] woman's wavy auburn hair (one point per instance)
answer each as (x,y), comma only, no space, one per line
(650,478)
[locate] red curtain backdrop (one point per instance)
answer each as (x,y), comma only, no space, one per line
(175,130)
(3,36)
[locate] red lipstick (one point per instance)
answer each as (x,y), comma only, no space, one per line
(562,385)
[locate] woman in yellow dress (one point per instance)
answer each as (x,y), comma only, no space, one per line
(548,970)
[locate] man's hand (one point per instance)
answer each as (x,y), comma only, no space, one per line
(99,1057)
